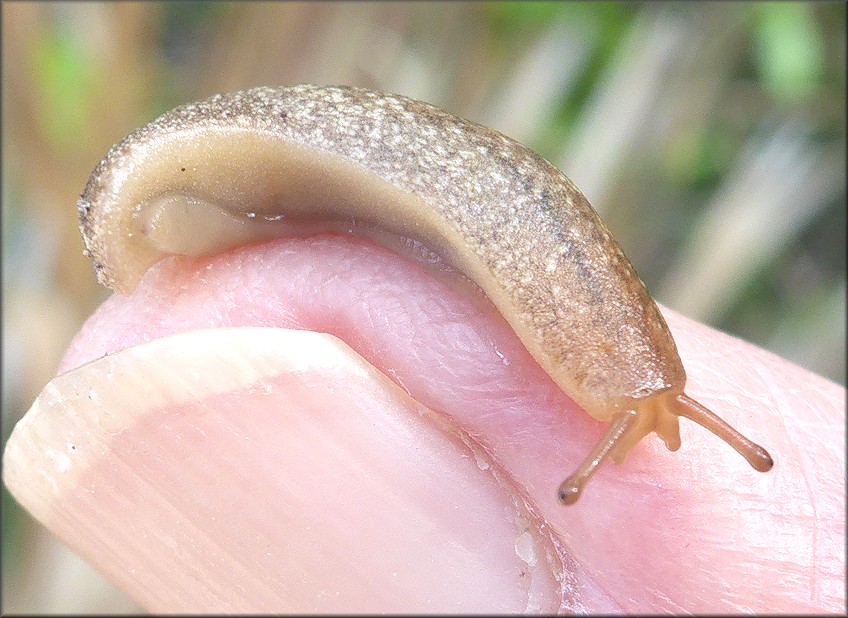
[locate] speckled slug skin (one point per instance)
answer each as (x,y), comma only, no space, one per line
(237,167)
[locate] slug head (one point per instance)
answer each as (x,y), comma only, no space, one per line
(658,413)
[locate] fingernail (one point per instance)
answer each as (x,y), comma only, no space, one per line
(253,469)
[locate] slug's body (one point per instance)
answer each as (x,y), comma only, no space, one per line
(239,167)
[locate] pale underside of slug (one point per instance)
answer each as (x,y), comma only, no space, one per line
(267,162)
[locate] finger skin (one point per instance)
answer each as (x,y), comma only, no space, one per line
(696,530)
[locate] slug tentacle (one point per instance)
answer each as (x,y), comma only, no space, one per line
(753,453)
(252,165)
(571,488)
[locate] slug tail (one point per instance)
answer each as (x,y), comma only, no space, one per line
(571,488)
(753,453)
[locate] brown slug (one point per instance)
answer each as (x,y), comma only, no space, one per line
(255,164)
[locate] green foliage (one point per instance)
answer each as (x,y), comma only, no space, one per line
(510,18)
(789,49)
(64,74)
(609,23)
(605,25)
(701,156)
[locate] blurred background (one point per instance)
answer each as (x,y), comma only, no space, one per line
(710,138)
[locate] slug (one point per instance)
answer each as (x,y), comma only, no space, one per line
(260,163)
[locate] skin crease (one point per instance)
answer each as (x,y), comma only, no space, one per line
(498,212)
